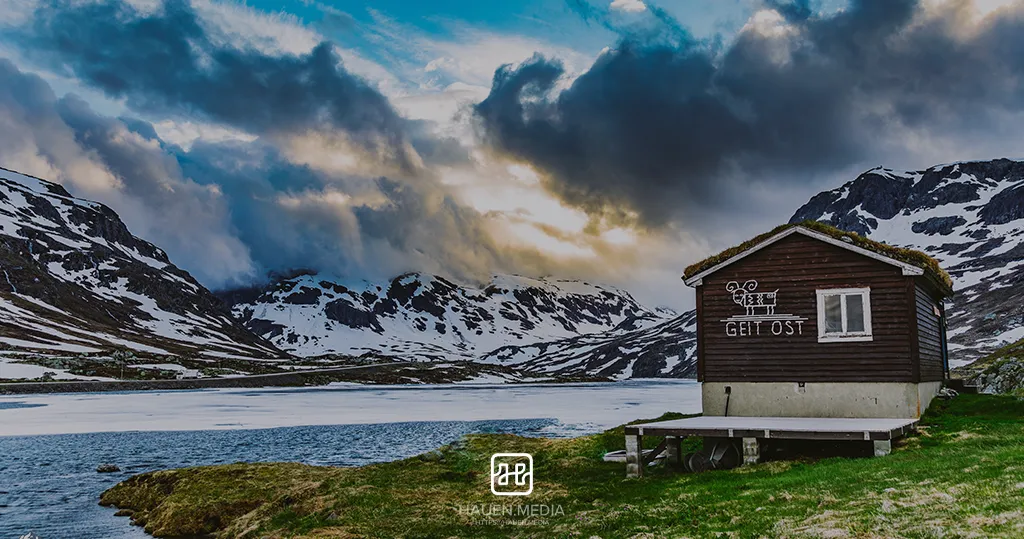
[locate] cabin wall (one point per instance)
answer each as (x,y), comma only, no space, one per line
(929,336)
(788,350)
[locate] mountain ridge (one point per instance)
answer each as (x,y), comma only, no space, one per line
(416,316)
(75,279)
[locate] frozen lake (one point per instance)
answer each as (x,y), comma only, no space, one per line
(50,445)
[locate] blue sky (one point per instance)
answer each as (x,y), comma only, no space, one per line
(608,140)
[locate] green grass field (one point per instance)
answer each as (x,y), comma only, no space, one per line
(961,476)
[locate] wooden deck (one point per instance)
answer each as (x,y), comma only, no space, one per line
(793,428)
(879,431)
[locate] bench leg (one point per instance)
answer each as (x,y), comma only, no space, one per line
(673,451)
(882,447)
(634,456)
(751,451)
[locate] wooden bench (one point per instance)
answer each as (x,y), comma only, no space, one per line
(880,431)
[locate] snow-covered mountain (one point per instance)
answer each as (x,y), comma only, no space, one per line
(969,216)
(665,349)
(73,279)
(423,317)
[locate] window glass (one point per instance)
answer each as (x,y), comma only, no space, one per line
(833,314)
(854,313)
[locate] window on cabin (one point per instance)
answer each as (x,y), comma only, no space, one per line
(844,314)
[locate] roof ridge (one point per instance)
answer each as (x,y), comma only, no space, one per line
(899,254)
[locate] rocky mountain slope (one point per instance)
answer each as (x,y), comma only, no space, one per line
(665,349)
(1002,371)
(73,279)
(422,317)
(969,216)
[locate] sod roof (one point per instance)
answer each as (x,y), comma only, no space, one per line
(908,256)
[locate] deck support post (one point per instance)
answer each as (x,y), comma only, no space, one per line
(673,451)
(751,451)
(882,447)
(634,456)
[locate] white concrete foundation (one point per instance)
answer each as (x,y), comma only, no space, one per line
(901,400)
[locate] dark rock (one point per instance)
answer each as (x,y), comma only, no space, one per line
(1005,207)
(107,468)
(340,310)
(938,225)
(305,296)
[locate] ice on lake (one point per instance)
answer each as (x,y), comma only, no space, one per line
(593,406)
(53,443)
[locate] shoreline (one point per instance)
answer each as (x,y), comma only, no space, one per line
(396,373)
(447,492)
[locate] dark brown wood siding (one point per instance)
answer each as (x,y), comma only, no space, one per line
(797,266)
(929,336)
(700,334)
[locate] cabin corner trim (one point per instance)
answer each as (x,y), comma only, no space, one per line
(907,269)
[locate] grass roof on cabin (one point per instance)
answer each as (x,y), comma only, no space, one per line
(909,256)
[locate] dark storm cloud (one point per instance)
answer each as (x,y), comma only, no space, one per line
(794,10)
(285,214)
(230,212)
(97,157)
(166,61)
(658,128)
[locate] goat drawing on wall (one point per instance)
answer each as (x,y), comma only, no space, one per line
(756,303)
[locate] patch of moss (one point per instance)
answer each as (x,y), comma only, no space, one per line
(909,256)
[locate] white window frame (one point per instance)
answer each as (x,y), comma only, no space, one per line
(845,336)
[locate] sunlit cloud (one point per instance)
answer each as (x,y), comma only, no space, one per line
(628,6)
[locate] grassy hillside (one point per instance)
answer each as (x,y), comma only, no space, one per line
(963,475)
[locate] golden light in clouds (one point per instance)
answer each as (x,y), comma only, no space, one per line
(619,236)
(534,236)
(522,212)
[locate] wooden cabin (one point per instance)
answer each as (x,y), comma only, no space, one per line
(811,321)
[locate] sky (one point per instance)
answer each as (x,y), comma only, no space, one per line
(614,141)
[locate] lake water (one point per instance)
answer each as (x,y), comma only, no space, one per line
(50,445)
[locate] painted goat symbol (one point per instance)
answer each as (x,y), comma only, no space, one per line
(756,303)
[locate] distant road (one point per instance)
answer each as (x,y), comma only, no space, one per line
(290,378)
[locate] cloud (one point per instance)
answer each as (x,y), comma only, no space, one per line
(667,129)
(229,211)
(240,152)
(628,6)
(274,158)
(120,164)
(167,61)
